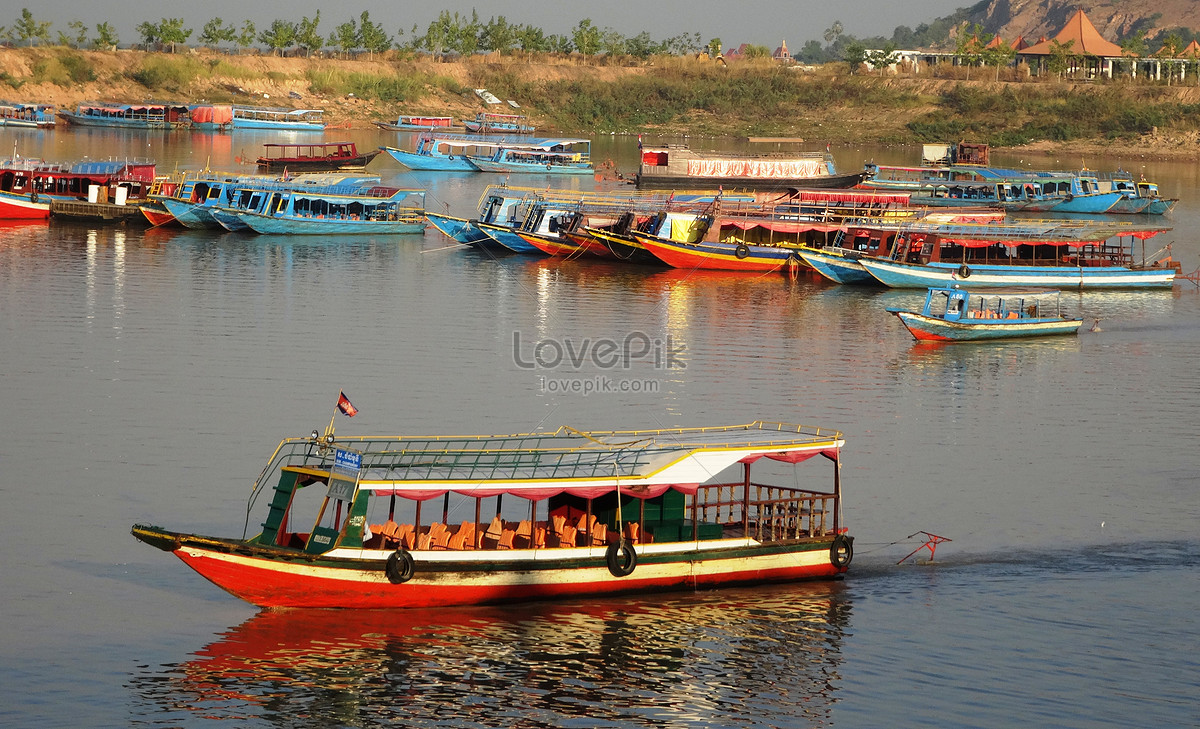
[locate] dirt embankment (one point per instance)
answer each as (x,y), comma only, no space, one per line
(276,81)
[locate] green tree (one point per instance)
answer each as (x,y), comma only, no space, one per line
(1135,49)
(714,47)
(882,59)
(556,43)
(969,47)
(1171,47)
(532,39)
(812,53)
(371,36)
(216,32)
(1061,57)
(439,36)
(246,37)
(150,34)
(106,37)
(28,29)
(612,42)
(642,46)
(854,53)
(754,50)
(345,36)
(833,32)
(586,37)
(682,45)
(466,35)
(279,37)
(307,36)
(498,35)
(172,32)
(80,39)
(998,55)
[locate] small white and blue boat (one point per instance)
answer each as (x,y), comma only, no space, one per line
(957,315)
(542,157)
(442,152)
(30,116)
(486,122)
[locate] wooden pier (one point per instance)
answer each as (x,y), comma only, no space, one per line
(97,211)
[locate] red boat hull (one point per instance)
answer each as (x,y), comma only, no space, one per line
(280,583)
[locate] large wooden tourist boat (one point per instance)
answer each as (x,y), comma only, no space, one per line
(28,186)
(418,123)
(575,514)
(313,156)
(958,315)
(677,166)
(129,116)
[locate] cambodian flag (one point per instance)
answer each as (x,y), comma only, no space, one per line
(345,406)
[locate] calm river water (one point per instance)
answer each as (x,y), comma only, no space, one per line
(146,375)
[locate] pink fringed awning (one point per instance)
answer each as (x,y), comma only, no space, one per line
(793,456)
(985,242)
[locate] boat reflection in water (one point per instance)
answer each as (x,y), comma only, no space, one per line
(747,653)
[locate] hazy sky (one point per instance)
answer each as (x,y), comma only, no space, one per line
(764,22)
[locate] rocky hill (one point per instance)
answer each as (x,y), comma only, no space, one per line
(1115,19)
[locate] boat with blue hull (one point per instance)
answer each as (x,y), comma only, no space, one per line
(292,120)
(957,315)
(546,157)
(486,122)
(195,197)
(376,210)
(1059,254)
(837,265)
(443,152)
(28,116)
(129,116)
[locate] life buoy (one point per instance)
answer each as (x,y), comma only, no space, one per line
(742,250)
(964,271)
(400,567)
(621,558)
(841,551)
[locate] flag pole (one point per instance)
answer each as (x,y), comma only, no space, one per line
(329,430)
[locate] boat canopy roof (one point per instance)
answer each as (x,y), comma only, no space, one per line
(1025,232)
(642,463)
(507,141)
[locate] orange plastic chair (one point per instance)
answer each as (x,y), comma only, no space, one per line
(506,539)
(539,537)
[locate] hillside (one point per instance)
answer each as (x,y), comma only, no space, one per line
(672,96)
(1115,19)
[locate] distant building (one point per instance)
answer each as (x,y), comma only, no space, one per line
(781,54)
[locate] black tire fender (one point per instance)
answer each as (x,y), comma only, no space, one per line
(400,567)
(741,251)
(33,197)
(621,558)
(964,271)
(841,551)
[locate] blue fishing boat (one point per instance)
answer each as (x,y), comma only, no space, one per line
(545,157)
(329,211)
(130,116)
(486,122)
(1059,254)
(294,120)
(837,265)
(195,198)
(442,152)
(958,315)
(30,116)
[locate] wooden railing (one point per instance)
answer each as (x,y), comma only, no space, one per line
(767,513)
